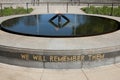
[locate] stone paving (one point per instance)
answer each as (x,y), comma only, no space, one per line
(10,72)
(57,9)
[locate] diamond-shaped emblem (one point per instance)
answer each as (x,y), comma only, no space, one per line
(59,20)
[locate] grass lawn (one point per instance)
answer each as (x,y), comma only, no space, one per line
(103,10)
(13,11)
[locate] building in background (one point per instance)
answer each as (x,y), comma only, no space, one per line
(29,1)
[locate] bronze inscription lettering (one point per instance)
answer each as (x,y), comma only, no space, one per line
(59,58)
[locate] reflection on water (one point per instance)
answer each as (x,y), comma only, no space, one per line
(60,25)
(59,21)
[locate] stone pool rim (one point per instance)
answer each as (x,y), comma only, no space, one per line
(101,44)
(48,38)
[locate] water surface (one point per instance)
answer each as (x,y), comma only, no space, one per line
(63,25)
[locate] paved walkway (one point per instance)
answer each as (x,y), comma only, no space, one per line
(57,9)
(9,72)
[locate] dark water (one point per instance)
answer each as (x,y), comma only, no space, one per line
(63,25)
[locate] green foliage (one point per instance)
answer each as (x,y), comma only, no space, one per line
(13,11)
(105,10)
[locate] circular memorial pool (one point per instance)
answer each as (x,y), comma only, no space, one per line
(60,53)
(60,25)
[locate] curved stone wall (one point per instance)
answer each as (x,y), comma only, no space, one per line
(59,59)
